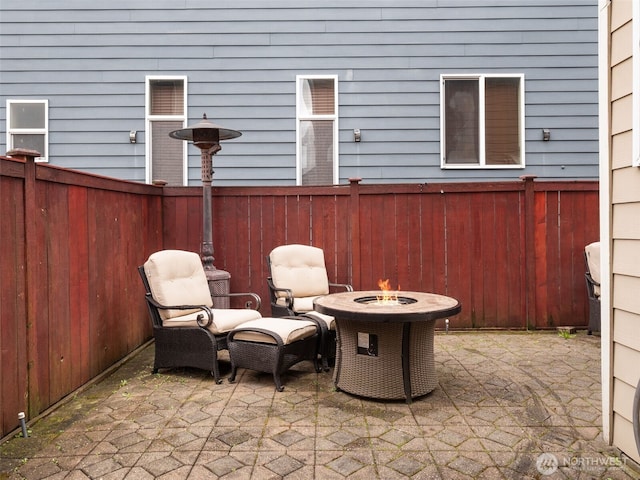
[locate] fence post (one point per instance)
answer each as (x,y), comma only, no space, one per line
(354,206)
(31,265)
(530,250)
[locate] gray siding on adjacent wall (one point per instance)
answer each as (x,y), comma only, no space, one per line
(241,57)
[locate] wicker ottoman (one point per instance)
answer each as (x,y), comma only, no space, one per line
(273,345)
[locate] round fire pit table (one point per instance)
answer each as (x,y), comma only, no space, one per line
(385,348)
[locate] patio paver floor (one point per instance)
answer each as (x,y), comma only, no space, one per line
(509,405)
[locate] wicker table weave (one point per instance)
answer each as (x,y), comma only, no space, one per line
(401,363)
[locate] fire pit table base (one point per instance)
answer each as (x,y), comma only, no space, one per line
(385,349)
(401,367)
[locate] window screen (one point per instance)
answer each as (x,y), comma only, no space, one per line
(166,113)
(27,126)
(317,128)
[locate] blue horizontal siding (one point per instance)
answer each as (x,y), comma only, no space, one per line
(241,59)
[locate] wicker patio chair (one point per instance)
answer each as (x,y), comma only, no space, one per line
(188,330)
(592,276)
(297,276)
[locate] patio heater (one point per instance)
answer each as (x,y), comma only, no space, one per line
(207,136)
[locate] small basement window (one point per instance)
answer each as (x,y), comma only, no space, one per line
(28,126)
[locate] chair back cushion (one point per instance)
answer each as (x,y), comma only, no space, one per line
(593,264)
(299,268)
(177,277)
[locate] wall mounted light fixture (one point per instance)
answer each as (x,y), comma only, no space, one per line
(356,135)
(546,134)
(132,136)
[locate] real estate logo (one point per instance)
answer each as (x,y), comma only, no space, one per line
(547,463)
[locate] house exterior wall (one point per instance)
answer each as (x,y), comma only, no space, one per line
(241,58)
(621,226)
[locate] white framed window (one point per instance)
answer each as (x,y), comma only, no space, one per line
(316,129)
(166,107)
(28,126)
(482,121)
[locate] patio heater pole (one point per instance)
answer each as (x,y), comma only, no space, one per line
(206,159)
(207,136)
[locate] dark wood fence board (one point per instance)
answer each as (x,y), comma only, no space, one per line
(193,217)
(101,280)
(401,224)
(78,245)
(39,355)
(304,233)
(541,234)
(509,294)
(168,212)
(569,234)
(292,226)
(56,282)
(371,243)
(557,239)
(385,226)
(235,235)
(489,227)
(431,240)
(480,212)
(152,223)
(13,315)
(343,262)
(458,257)
(274,210)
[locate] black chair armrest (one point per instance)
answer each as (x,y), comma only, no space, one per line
(199,318)
(591,284)
(248,304)
(344,286)
(274,290)
(591,280)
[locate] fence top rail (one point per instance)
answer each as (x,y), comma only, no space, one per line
(11,167)
(379,189)
(17,167)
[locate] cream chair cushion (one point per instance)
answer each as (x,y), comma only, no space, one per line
(300,304)
(176,277)
(305,305)
(289,330)
(300,268)
(327,319)
(593,261)
(224,320)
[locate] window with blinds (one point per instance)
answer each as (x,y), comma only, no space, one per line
(166,97)
(166,105)
(482,121)
(317,130)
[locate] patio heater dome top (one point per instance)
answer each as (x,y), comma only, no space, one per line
(204,132)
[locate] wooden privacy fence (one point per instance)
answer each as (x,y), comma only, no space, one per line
(71,302)
(511,252)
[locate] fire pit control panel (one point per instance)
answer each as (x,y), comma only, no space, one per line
(367,344)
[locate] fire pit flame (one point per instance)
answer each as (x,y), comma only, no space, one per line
(386,295)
